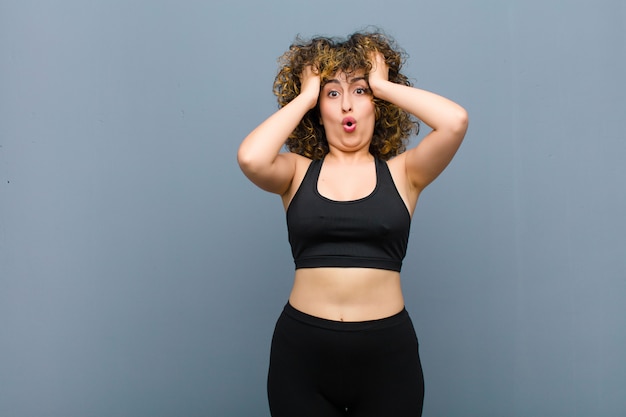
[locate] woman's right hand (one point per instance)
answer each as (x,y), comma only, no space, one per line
(310,84)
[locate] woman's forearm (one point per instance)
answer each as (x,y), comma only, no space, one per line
(260,148)
(436,111)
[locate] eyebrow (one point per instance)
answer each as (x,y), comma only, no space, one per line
(350,81)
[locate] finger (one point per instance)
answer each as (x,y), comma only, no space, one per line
(377,61)
(309,70)
(380,59)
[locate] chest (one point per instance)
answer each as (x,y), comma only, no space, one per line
(341,183)
(330,211)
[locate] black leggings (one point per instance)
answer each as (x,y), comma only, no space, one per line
(325,368)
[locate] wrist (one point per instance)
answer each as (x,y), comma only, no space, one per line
(309,99)
(379,87)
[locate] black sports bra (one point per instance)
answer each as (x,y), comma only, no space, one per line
(371,232)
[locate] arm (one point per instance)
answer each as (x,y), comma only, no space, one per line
(447,119)
(259,154)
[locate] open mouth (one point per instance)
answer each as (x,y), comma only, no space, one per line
(349,124)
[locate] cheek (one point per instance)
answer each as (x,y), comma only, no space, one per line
(366,104)
(322,106)
(326,111)
(370,110)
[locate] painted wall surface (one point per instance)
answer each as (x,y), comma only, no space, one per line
(141,274)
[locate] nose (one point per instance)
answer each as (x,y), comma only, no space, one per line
(346,103)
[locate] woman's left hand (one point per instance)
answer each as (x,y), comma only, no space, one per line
(380,71)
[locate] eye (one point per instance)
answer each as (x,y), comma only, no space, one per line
(333,93)
(361,90)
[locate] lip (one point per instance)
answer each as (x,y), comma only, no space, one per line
(349,124)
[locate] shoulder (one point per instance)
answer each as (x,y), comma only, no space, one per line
(398,169)
(298,161)
(397,166)
(301,165)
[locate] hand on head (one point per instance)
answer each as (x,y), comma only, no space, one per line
(310,83)
(380,70)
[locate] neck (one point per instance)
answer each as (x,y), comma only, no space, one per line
(349,157)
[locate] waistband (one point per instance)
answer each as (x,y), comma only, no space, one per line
(310,320)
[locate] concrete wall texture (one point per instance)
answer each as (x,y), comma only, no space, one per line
(141,274)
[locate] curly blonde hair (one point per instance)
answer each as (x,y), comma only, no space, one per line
(393,125)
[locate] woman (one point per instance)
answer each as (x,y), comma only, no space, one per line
(344,344)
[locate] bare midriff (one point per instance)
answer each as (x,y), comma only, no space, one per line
(347,294)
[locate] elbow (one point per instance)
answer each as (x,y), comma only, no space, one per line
(456,124)
(243,158)
(246,162)
(250,162)
(460,121)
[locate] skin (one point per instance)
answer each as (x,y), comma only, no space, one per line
(348,173)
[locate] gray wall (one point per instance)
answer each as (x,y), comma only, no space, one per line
(141,274)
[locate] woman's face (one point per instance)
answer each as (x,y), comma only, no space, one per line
(347,111)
